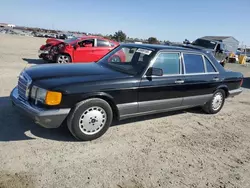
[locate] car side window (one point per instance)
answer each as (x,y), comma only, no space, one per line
(102,43)
(87,43)
(168,62)
(209,66)
(193,63)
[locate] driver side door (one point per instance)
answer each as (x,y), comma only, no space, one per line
(159,93)
(84,52)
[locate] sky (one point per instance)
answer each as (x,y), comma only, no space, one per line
(173,20)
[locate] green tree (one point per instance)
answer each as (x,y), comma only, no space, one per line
(120,36)
(153,40)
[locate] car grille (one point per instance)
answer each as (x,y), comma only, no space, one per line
(24,82)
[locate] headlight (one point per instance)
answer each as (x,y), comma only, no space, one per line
(46,97)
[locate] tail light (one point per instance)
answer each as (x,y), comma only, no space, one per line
(241,82)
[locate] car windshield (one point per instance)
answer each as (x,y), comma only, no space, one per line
(127,59)
(71,40)
(204,43)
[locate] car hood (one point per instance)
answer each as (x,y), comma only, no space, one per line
(52,76)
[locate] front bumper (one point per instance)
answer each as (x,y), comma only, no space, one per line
(45,118)
(43,51)
(234,92)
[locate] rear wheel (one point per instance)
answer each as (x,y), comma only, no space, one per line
(216,103)
(63,58)
(90,119)
(115,59)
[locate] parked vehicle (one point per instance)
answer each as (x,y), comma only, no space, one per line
(221,49)
(248,57)
(83,49)
(151,79)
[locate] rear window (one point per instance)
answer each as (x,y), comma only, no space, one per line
(193,63)
(102,43)
(209,66)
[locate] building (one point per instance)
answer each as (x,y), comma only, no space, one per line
(7,25)
(231,44)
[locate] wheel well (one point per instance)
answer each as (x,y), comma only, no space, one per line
(63,53)
(111,103)
(225,90)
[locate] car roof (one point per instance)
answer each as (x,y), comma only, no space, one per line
(98,37)
(158,47)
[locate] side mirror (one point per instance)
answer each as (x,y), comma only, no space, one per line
(76,46)
(154,72)
(131,51)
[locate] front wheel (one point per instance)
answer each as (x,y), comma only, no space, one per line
(216,103)
(90,119)
(63,58)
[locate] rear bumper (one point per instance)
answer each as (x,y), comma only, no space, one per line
(43,117)
(234,92)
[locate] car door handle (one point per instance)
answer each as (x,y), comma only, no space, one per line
(179,81)
(216,79)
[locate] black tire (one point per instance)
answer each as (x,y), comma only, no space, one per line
(210,107)
(63,58)
(75,118)
(115,58)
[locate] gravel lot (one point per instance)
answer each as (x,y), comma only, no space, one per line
(180,149)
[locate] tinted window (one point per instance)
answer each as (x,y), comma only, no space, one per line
(102,43)
(193,63)
(168,62)
(209,66)
(86,43)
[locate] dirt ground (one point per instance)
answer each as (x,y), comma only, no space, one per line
(179,149)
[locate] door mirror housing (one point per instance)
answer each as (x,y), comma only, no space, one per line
(154,72)
(76,46)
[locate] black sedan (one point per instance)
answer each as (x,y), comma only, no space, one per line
(152,79)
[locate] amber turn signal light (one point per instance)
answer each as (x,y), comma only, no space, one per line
(53,98)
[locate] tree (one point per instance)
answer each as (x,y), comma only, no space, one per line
(120,36)
(153,40)
(109,37)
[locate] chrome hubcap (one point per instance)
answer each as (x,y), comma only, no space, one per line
(115,59)
(92,120)
(217,101)
(63,59)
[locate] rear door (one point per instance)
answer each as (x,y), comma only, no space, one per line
(101,48)
(158,93)
(84,52)
(201,79)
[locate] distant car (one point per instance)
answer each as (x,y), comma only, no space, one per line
(215,47)
(151,79)
(248,56)
(78,49)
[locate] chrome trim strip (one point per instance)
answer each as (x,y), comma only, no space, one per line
(208,73)
(204,63)
(182,63)
(211,63)
(127,108)
(159,104)
(148,107)
(235,92)
(153,112)
(154,59)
